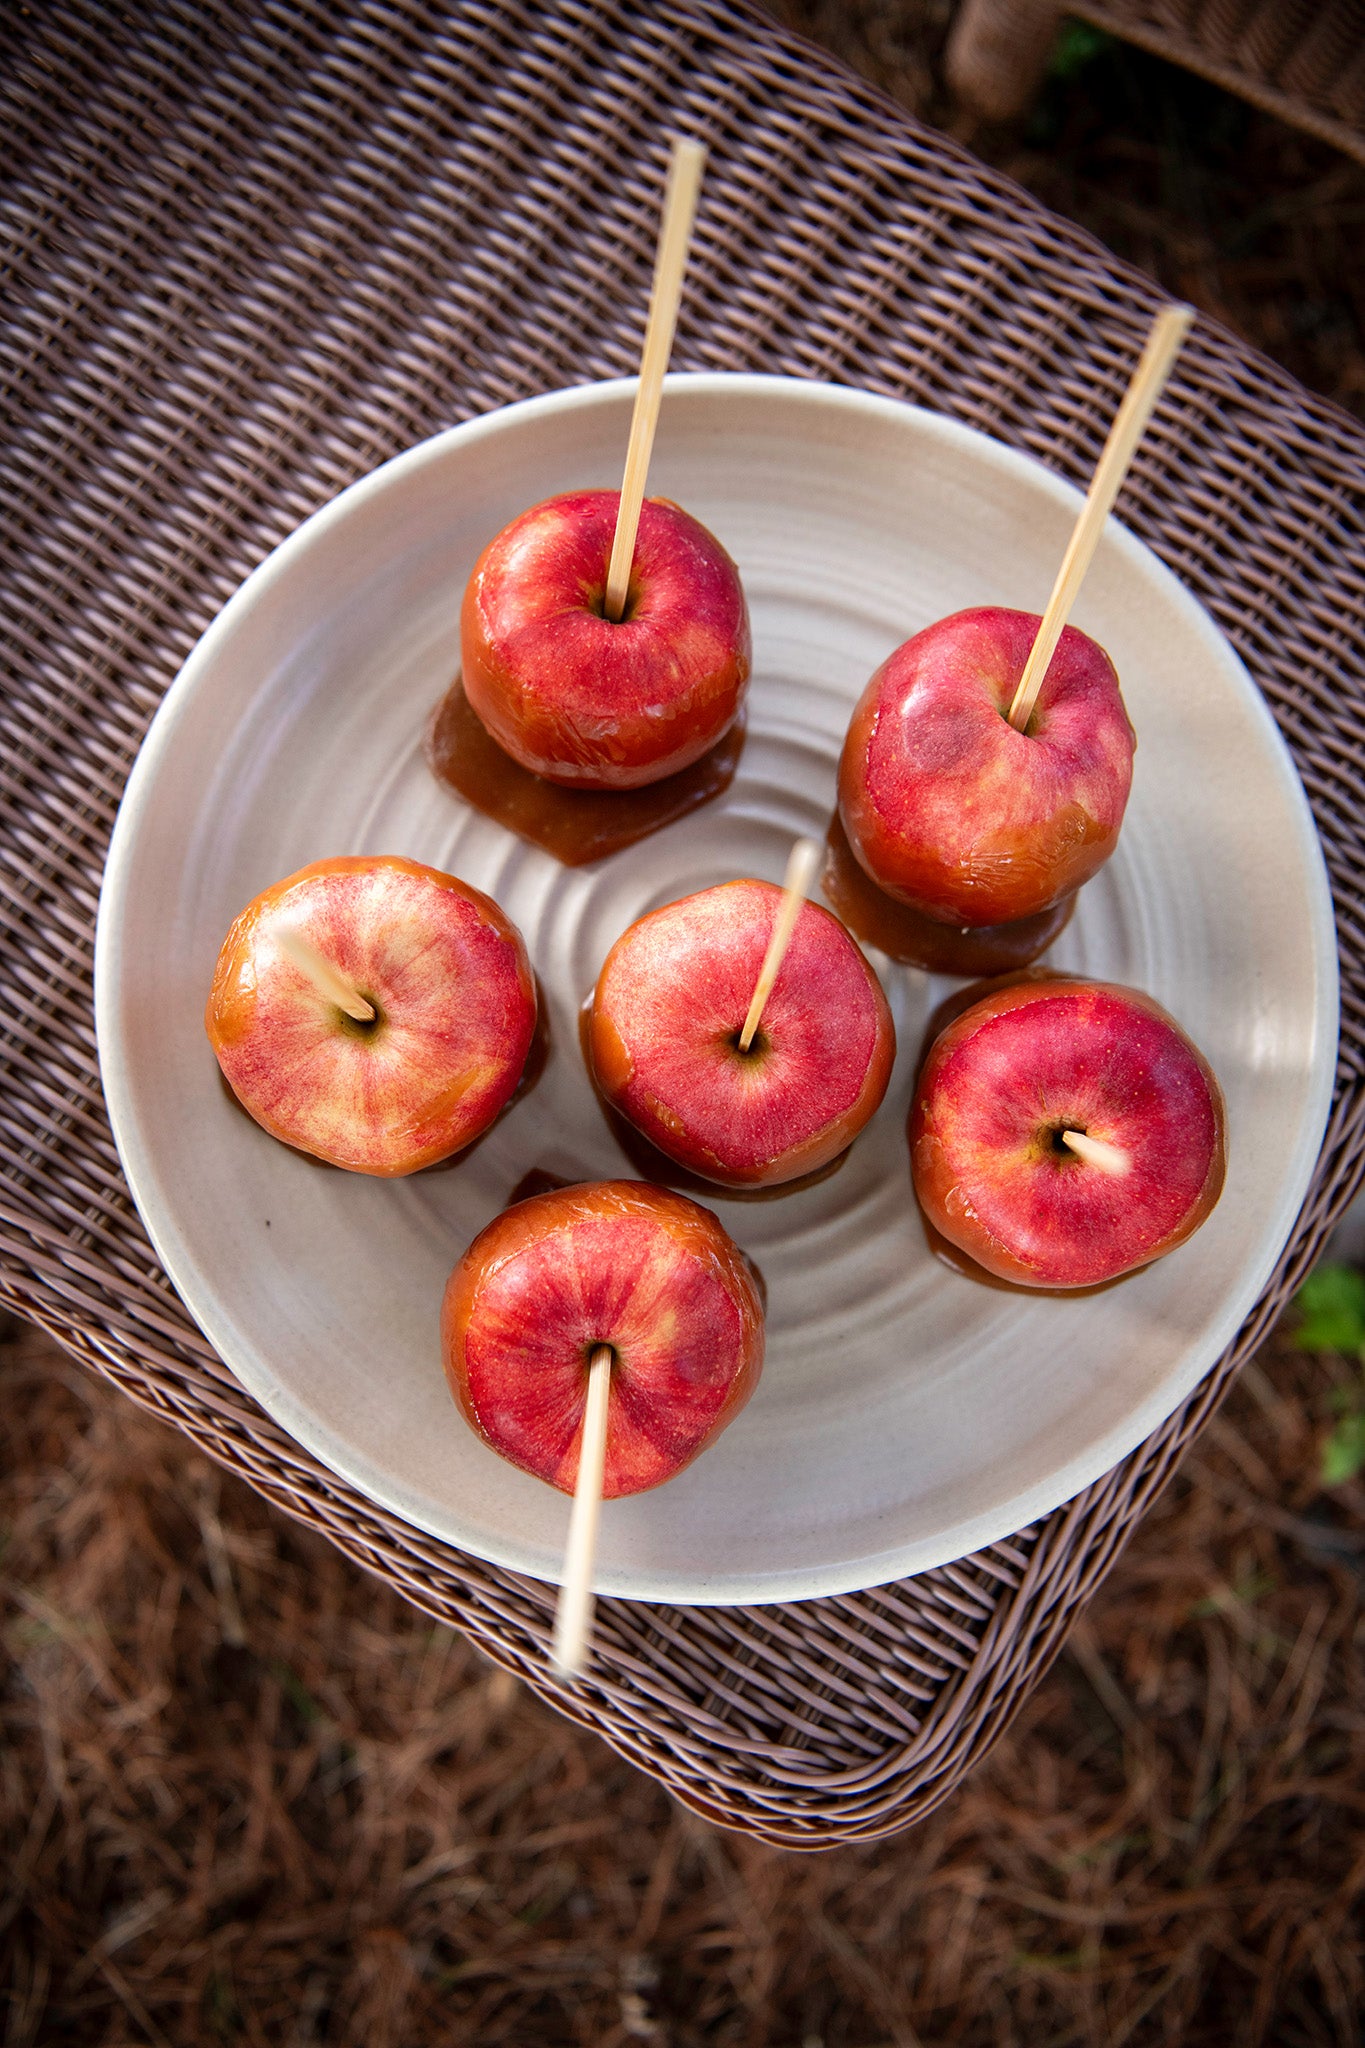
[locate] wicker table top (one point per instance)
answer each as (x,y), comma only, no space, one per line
(257,246)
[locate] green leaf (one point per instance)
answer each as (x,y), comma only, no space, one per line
(1333,1304)
(1343,1454)
(1076,46)
(302,1701)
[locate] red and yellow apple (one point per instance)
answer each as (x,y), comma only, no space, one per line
(952,811)
(643,1270)
(591,702)
(1030,1062)
(663,1037)
(454,1003)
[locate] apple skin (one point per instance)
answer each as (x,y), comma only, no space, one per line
(1034,1057)
(449,977)
(608,1262)
(584,700)
(667,1011)
(948,808)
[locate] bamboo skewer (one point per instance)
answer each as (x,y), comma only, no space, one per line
(1154,367)
(1097,1152)
(801,866)
(573,1617)
(331,984)
(675,233)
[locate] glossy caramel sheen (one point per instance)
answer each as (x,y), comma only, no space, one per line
(456,1014)
(575,825)
(666,1017)
(590,702)
(952,811)
(1039,1056)
(608,1262)
(907,935)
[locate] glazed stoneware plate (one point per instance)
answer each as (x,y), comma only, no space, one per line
(906,1415)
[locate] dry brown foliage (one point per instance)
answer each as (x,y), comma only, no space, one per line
(249,1795)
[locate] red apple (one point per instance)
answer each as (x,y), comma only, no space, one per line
(612,1262)
(591,702)
(455,1012)
(663,1037)
(951,810)
(1035,1059)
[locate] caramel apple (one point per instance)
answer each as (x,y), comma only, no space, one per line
(639,1270)
(1064,1132)
(667,1016)
(588,701)
(951,810)
(987,766)
(373,1012)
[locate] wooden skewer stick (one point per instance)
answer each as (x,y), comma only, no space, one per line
(573,1617)
(805,859)
(1097,1152)
(675,233)
(328,980)
(1163,343)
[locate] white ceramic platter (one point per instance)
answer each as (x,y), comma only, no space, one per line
(905,1415)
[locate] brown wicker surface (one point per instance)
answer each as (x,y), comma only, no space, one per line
(259,245)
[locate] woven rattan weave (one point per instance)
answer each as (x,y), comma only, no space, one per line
(256,246)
